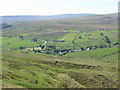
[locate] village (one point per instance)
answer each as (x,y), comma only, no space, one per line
(52,49)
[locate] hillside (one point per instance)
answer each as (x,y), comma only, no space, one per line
(86,23)
(79,52)
(43,71)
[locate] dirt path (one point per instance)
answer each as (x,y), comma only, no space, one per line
(43,41)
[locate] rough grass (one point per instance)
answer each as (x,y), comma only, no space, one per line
(42,71)
(87,23)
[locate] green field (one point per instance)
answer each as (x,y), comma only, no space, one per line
(72,40)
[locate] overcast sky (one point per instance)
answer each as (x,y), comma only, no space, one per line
(54,7)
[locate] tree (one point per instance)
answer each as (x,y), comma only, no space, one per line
(34,40)
(80,37)
(82,48)
(42,47)
(33,49)
(108,40)
(101,46)
(22,47)
(102,34)
(22,37)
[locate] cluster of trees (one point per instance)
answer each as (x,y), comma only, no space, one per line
(21,37)
(42,46)
(52,50)
(107,39)
(37,51)
(34,40)
(21,47)
(102,34)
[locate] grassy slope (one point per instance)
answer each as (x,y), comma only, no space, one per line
(100,54)
(96,39)
(42,71)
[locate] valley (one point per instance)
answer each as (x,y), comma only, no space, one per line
(79,52)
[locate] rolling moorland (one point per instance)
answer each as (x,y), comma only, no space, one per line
(19,18)
(79,52)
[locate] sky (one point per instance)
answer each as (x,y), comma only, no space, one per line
(55,7)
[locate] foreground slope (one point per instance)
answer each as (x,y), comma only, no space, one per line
(41,71)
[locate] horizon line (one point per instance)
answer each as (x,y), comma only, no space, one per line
(59,14)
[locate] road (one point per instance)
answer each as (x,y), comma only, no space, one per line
(43,41)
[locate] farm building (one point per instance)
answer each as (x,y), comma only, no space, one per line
(33,48)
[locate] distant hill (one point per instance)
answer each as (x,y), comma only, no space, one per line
(12,19)
(86,23)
